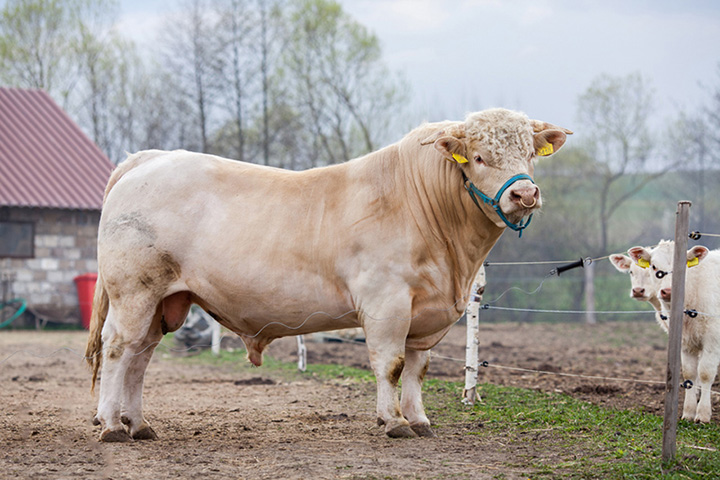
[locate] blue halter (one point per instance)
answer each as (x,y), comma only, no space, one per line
(495,202)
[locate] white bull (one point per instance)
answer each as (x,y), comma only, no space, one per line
(390,242)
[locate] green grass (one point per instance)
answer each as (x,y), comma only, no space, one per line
(575,439)
(588,441)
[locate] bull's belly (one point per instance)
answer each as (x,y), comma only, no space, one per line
(427,329)
(274,312)
(276,324)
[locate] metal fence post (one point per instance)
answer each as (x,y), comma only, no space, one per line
(677,303)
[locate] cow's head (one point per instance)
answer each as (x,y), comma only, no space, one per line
(662,266)
(643,283)
(495,150)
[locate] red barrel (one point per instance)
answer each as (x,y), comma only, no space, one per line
(86,290)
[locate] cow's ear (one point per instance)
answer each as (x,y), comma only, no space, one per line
(451,148)
(696,254)
(640,256)
(621,262)
(548,142)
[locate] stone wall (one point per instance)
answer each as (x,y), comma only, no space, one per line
(65,247)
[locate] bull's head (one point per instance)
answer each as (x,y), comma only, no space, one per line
(495,150)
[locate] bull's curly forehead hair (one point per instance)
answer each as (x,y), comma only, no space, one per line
(502,131)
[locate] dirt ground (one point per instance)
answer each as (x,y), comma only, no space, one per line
(216,422)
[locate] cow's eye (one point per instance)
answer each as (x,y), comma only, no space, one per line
(479,159)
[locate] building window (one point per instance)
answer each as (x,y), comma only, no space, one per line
(17,239)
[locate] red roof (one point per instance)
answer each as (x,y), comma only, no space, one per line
(45,159)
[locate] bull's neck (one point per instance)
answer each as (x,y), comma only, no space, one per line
(447,217)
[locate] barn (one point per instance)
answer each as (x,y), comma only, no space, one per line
(52,179)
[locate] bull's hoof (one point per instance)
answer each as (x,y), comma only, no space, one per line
(95,421)
(115,436)
(145,433)
(423,430)
(401,431)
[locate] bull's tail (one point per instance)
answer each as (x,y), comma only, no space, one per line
(93,350)
(101,304)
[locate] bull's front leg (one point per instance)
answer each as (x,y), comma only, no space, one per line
(385,337)
(416,366)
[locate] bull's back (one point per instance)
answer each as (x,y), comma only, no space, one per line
(252,243)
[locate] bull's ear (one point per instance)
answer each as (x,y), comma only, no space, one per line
(539,126)
(457,130)
(696,254)
(640,256)
(451,148)
(548,142)
(621,262)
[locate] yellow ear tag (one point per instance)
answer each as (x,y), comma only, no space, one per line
(643,263)
(459,158)
(693,262)
(546,150)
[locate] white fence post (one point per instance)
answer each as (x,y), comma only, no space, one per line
(472,316)
(302,353)
(215,337)
(677,302)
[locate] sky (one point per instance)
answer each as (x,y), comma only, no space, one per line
(537,56)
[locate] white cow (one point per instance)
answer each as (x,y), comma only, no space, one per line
(644,285)
(389,242)
(701,331)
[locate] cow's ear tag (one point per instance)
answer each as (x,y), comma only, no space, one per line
(545,150)
(643,263)
(459,158)
(693,262)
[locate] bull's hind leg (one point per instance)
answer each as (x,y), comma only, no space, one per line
(132,408)
(416,365)
(123,335)
(169,316)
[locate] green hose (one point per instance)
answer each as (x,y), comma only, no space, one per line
(20,311)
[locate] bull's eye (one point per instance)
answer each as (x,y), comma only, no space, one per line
(479,159)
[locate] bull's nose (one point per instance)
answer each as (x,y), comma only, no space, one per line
(666,294)
(525,196)
(638,292)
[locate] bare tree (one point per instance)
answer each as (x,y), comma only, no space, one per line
(237,31)
(194,55)
(711,112)
(41,43)
(616,110)
(339,81)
